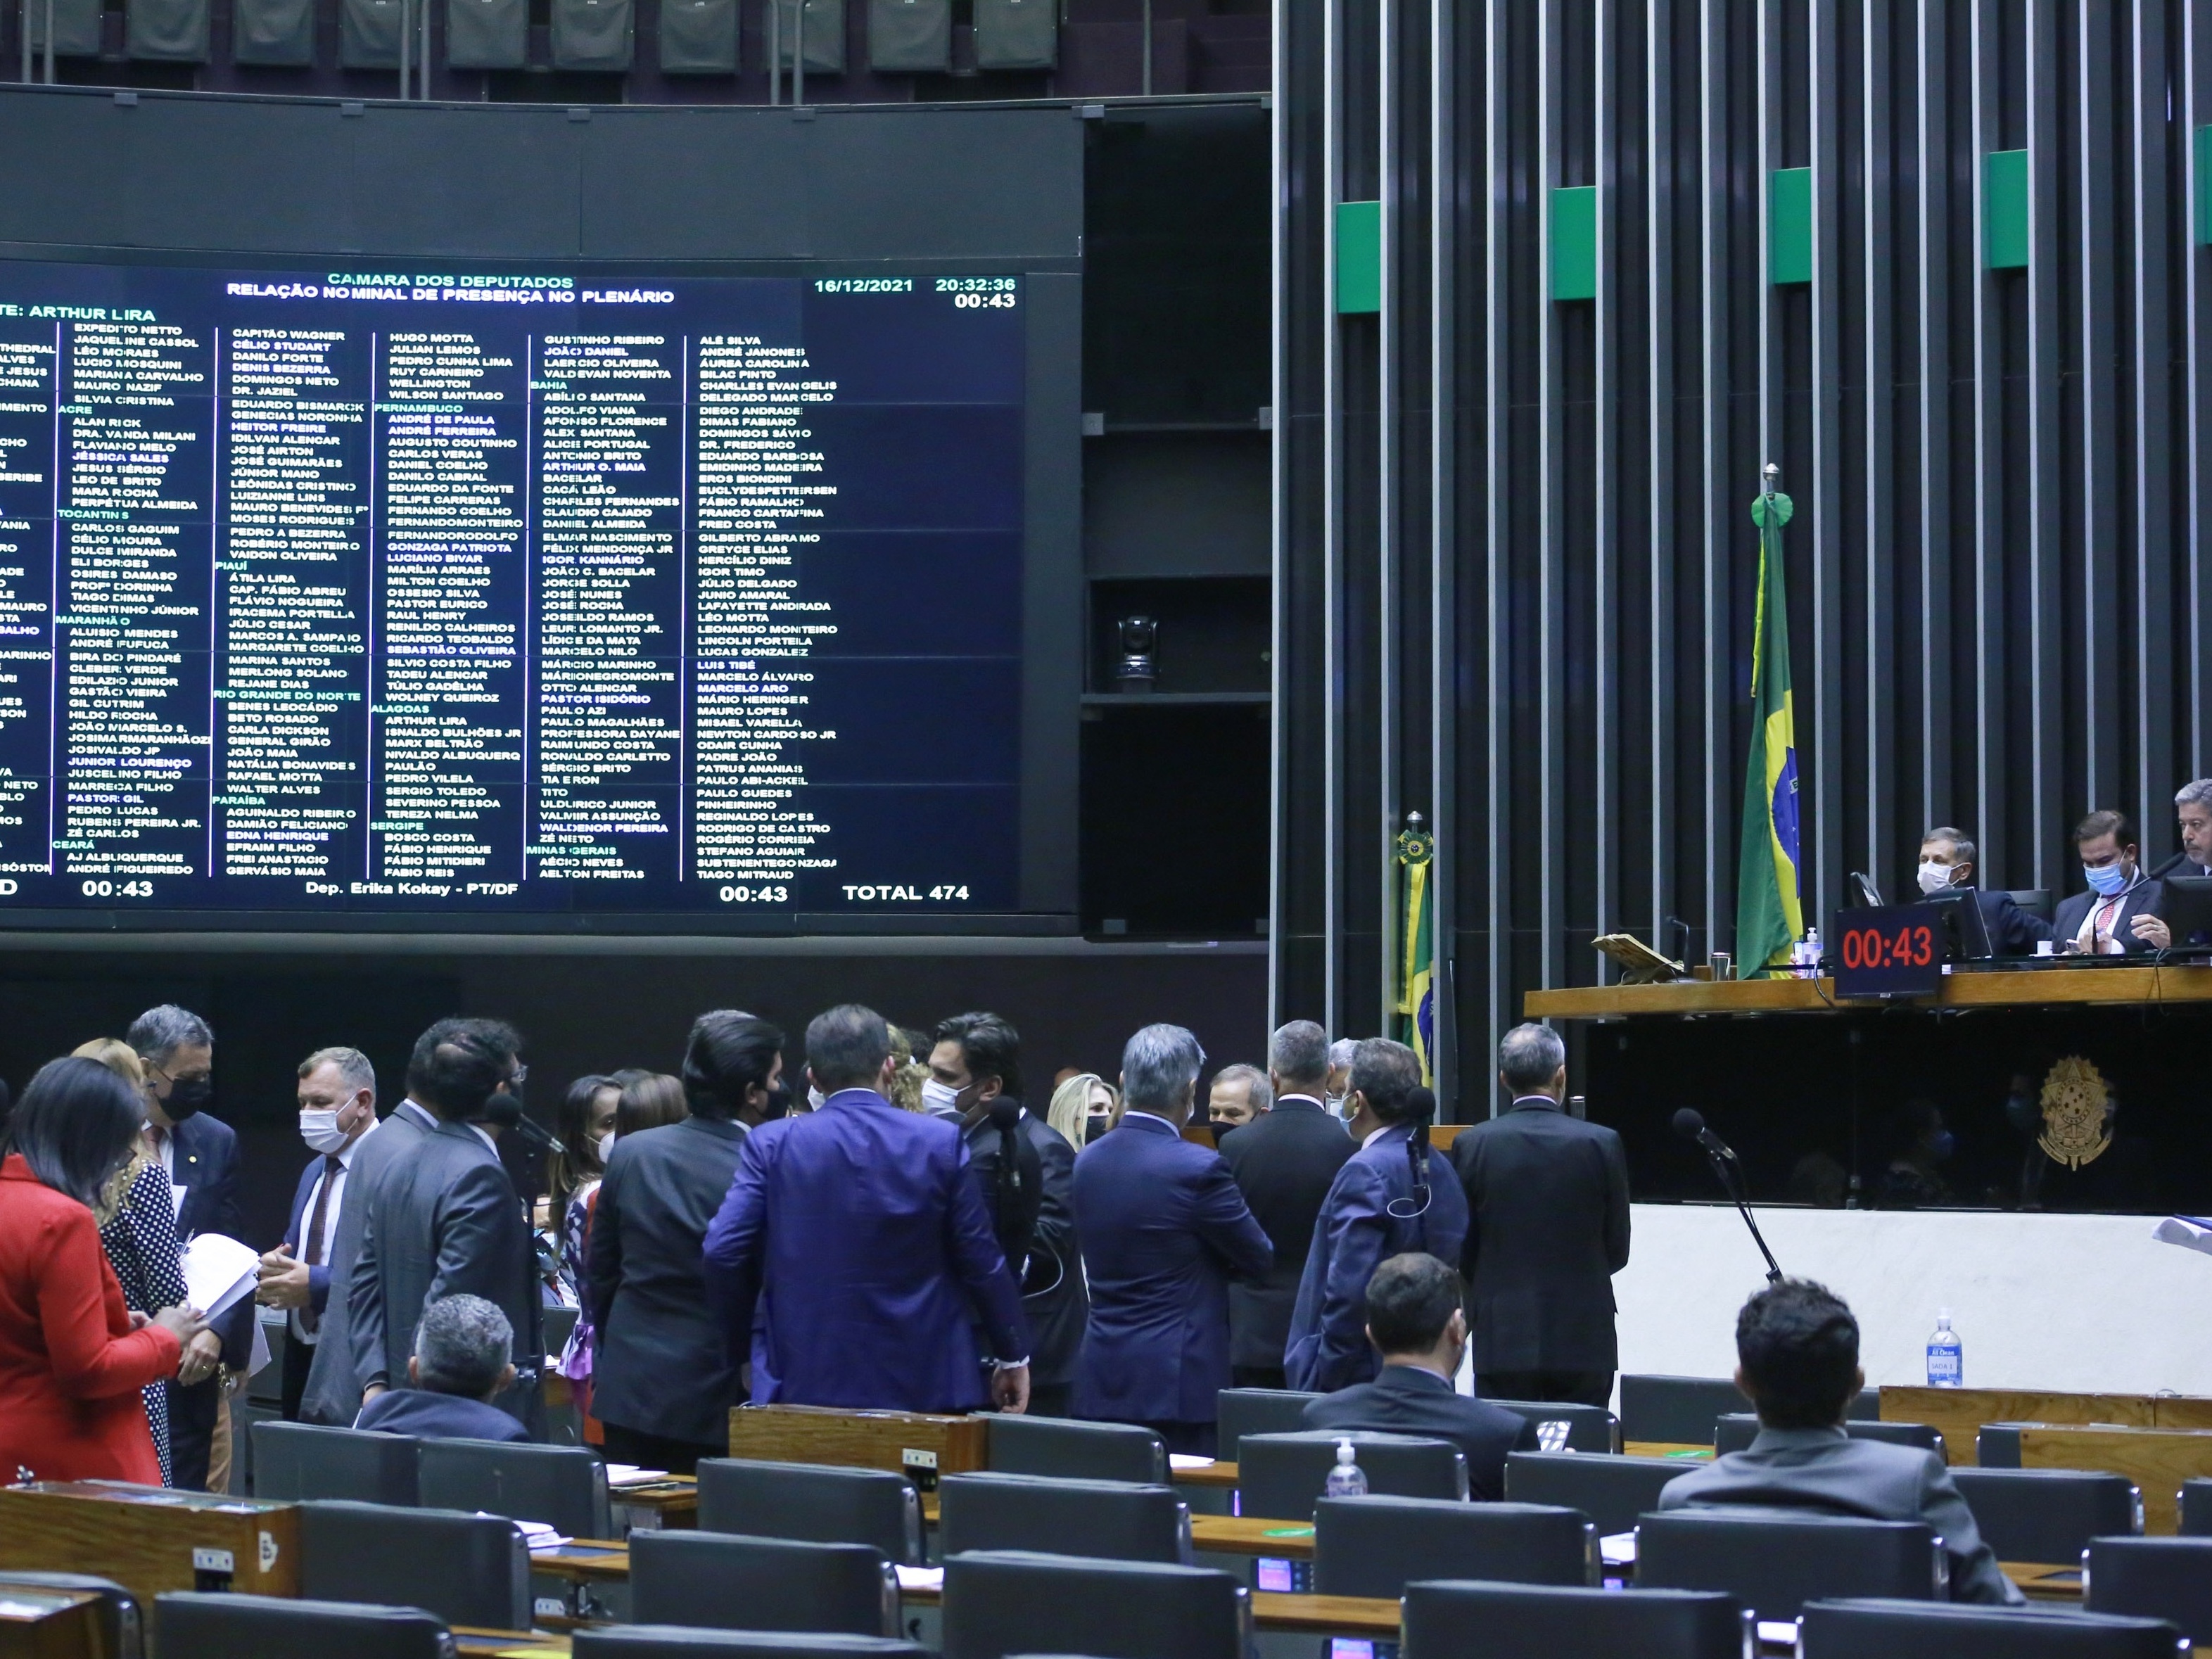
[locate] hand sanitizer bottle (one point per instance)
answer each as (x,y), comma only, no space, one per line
(1347,1479)
(1946,1366)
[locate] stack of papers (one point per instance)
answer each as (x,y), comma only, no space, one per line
(539,1535)
(630,1474)
(2192,1232)
(921,1578)
(218,1271)
(1617,1549)
(1188,1461)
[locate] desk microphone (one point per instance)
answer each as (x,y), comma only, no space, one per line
(1690,1124)
(506,1112)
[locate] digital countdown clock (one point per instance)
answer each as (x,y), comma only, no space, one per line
(1896,951)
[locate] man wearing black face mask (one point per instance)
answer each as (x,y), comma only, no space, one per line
(200,1154)
(448,1220)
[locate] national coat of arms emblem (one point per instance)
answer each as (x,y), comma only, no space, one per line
(2076,1131)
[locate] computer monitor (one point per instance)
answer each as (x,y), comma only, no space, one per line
(2185,906)
(1965,934)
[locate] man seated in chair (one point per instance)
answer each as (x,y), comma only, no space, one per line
(1797,1361)
(464,1359)
(1415,1321)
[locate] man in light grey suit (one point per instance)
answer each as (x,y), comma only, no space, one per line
(333,1390)
(1797,1360)
(447,1220)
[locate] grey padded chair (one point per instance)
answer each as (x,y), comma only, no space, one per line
(677,1642)
(1061,1448)
(1776,1563)
(1373,1545)
(564,1486)
(466,1569)
(2036,901)
(1735,1432)
(1941,1630)
(2048,1514)
(1678,1409)
(296,1461)
(1590,1428)
(123,1622)
(188,1625)
(2153,1578)
(1003,1602)
(812,1504)
(2197,1509)
(1613,1492)
(1283,1476)
(1109,1520)
(1459,1620)
(1258,1411)
(720,1580)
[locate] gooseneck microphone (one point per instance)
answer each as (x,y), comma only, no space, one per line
(505,1111)
(1690,1124)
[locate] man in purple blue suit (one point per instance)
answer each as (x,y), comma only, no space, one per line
(1163,1229)
(853,1261)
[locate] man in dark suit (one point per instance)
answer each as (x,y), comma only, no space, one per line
(1391,1196)
(1547,1228)
(1415,1322)
(978,1056)
(1947,861)
(337,1115)
(1797,1360)
(1284,1161)
(2192,813)
(448,1221)
(333,1386)
(1163,1229)
(462,1363)
(853,1253)
(663,1380)
(200,1154)
(2118,913)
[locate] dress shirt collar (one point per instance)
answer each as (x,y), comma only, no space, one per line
(1374,1135)
(1313,1101)
(1533,1103)
(1143,1120)
(486,1136)
(855,1097)
(418,1112)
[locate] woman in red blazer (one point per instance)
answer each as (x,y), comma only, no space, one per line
(72,1358)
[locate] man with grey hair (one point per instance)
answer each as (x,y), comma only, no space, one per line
(1240,1093)
(1547,1228)
(200,1155)
(1283,1164)
(1164,1229)
(464,1359)
(1338,1090)
(1947,861)
(337,1114)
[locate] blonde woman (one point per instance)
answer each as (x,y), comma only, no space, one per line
(1077,1102)
(138,1230)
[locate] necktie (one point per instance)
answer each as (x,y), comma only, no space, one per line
(331,1171)
(158,1138)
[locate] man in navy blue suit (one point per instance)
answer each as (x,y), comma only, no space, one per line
(1391,1196)
(463,1361)
(1164,1229)
(200,1154)
(853,1259)
(337,1114)
(1947,860)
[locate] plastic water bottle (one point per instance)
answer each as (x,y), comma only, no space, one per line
(1347,1479)
(1945,1364)
(1813,951)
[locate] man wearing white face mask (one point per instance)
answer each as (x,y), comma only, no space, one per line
(337,1114)
(2109,920)
(1947,861)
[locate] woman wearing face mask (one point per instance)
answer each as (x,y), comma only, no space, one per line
(1081,1108)
(585,1126)
(74,1360)
(139,1235)
(662,1380)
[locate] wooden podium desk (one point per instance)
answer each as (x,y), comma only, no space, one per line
(914,1443)
(149,1539)
(2062,984)
(51,1624)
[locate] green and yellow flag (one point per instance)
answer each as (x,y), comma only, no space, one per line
(1417,990)
(1769,916)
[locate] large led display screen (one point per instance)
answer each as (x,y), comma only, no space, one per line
(397,588)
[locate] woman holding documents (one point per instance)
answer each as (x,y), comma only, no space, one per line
(73,1358)
(139,1237)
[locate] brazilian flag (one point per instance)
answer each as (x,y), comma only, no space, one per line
(1417,988)
(1769,916)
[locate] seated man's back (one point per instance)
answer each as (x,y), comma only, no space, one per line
(429,1416)
(1415,1322)
(1797,1346)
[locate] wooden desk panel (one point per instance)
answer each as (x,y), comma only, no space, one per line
(1685,1450)
(2157,1460)
(472,1642)
(1253,1534)
(2045,1580)
(861,1439)
(1960,1413)
(1327,1615)
(144,1537)
(1220,1473)
(1993,988)
(51,1624)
